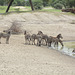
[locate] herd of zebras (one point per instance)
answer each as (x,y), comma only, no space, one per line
(40,37)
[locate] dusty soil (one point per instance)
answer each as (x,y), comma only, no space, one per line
(16,58)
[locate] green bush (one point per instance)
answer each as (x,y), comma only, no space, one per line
(58,6)
(27,3)
(19,3)
(1,2)
(38,4)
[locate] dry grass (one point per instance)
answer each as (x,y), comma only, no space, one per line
(16,27)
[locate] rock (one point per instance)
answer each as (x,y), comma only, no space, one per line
(73,51)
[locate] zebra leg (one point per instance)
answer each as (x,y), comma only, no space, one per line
(29,40)
(25,41)
(50,44)
(34,41)
(7,40)
(61,43)
(37,42)
(46,41)
(54,44)
(0,40)
(57,44)
(42,41)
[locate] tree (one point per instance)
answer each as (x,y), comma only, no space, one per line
(9,5)
(31,5)
(13,0)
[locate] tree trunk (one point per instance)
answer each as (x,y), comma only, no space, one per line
(13,0)
(31,5)
(9,5)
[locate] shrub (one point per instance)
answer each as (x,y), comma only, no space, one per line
(1,2)
(18,2)
(58,6)
(38,4)
(27,3)
(16,28)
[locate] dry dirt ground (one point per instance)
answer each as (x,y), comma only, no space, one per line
(16,58)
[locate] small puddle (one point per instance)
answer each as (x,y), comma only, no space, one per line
(67,49)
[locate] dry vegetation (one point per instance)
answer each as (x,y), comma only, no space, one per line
(16,27)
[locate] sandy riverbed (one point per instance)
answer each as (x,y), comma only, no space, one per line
(17,58)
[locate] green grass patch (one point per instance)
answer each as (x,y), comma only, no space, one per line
(50,10)
(3,9)
(18,9)
(14,9)
(69,44)
(27,8)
